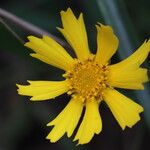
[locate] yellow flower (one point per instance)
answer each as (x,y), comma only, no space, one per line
(89,79)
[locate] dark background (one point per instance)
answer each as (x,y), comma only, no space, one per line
(23,123)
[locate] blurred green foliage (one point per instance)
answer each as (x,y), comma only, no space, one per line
(23,123)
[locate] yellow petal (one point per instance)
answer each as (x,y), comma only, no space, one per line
(50,52)
(91,123)
(43,90)
(128,79)
(75,33)
(136,59)
(124,109)
(66,121)
(107,44)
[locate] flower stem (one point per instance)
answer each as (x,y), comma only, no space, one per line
(26,26)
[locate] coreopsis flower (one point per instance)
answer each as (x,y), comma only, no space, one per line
(89,79)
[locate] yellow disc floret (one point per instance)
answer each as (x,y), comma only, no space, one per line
(87,79)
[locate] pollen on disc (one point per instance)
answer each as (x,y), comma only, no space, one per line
(87,79)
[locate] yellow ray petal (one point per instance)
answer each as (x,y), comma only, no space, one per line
(66,121)
(124,109)
(91,123)
(48,61)
(43,90)
(50,52)
(107,43)
(128,79)
(75,33)
(136,59)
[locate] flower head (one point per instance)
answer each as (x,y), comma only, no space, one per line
(89,79)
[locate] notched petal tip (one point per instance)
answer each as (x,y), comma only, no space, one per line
(137,58)
(126,111)
(141,87)
(66,121)
(101,25)
(107,43)
(33,98)
(147,41)
(123,127)
(134,78)
(34,55)
(80,16)
(49,51)
(50,123)
(60,29)
(43,90)
(30,81)
(27,44)
(91,124)
(74,27)
(105,27)
(19,86)
(50,139)
(30,37)
(69,10)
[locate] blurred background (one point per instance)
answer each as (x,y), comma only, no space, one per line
(23,123)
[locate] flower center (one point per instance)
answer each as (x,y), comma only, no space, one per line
(87,79)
